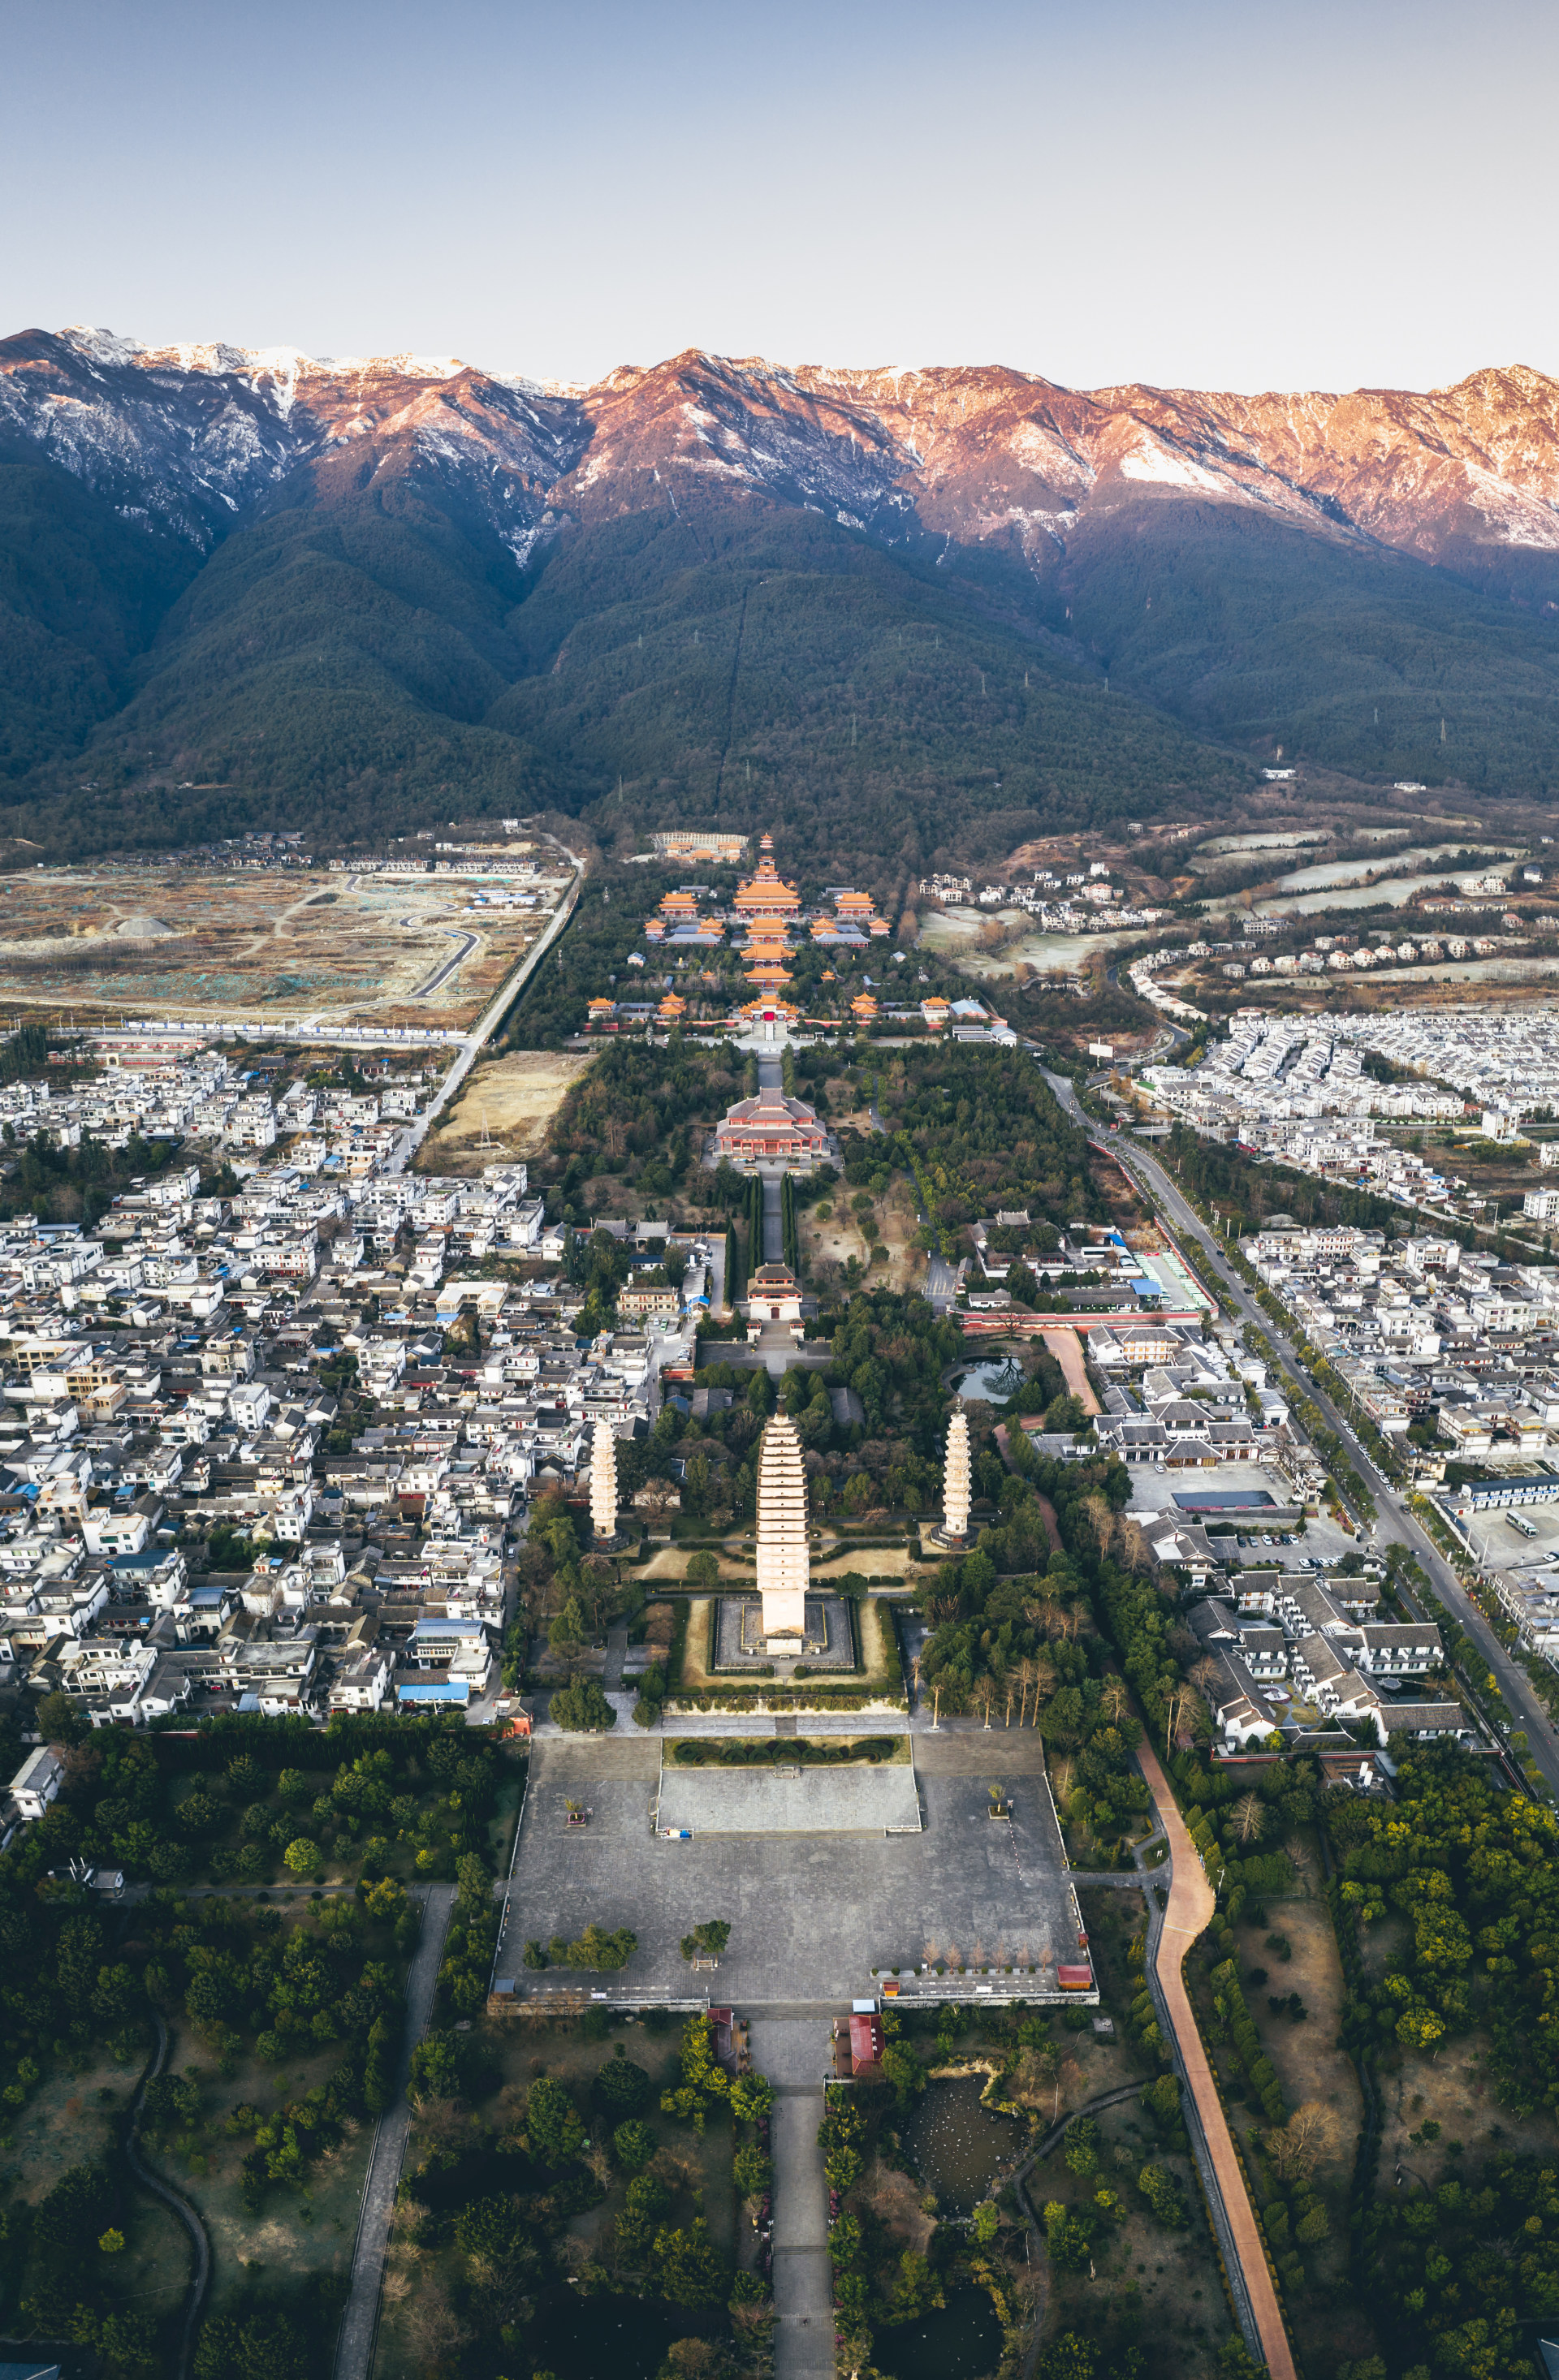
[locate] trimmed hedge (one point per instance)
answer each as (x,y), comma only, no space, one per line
(1229,2001)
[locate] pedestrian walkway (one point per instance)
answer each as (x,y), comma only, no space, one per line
(1190,1912)
(796,2057)
(617,1654)
(200,2278)
(359,2322)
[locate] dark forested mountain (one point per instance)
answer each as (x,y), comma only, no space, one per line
(922,614)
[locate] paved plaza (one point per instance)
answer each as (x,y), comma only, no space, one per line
(805,1801)
(810,1914)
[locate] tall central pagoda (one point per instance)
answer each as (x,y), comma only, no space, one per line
(784,1566)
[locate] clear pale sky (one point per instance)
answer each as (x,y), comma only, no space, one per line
(1244,197)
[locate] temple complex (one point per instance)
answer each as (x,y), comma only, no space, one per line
(765,894)
(774,941)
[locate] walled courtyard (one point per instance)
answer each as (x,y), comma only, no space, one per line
(812,1912)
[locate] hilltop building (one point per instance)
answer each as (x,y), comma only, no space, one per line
(697,843)
(765,894)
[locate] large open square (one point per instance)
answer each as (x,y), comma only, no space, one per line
(811,1914)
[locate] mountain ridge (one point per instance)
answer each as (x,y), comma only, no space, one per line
(1461,475)
(243,586)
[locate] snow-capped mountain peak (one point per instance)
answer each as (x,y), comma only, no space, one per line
(191,435)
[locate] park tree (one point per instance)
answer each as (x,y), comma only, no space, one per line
(1163,2196)
(904,2071)
(1070,2357)
(752,2095)
(708,1940)
(621,2088)
(565,1636)
(754,2171)
(645,2199)
(1082,2145)
(1067,2237)
(1249,1816)
(633,2145)
(1295,2149)
(701,2079)
(583,1707)
(553,2127)
(437,2069)
(60,1718)
(689,2269)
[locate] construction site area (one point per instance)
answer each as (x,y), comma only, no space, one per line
(284,943)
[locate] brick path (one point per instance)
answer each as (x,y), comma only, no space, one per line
(1188,1914)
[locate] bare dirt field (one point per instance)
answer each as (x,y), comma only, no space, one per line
(841,1235)
(1068,1350)
(515,1098)
(285,942)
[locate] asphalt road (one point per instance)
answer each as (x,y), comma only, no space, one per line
(1397,1525)
(942,1282)
(796,2057)
(440,975)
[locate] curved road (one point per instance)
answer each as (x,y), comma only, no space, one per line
(1187,1915)
(442,974)
(181,2207)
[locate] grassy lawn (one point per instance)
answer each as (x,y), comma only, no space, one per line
(303,2235)
(73,2120)
(1141,2284)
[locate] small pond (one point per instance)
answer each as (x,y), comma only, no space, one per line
(994,1383)
(608,2337)
(961,2340)
(956,2143)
